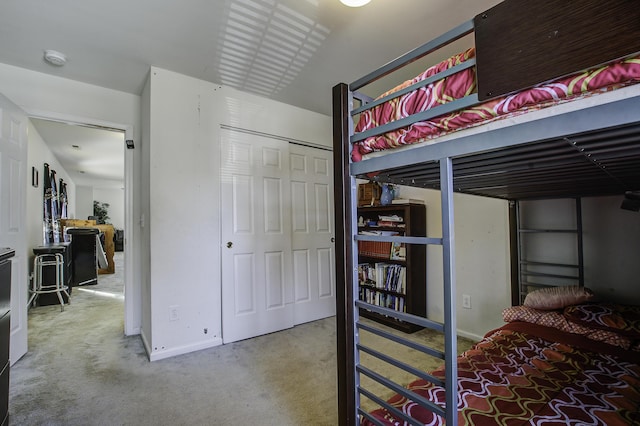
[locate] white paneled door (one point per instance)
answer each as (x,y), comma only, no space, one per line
(257,293)
(312,233)
(13,175)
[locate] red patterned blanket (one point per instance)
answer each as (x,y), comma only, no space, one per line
(535,375)
(463,83)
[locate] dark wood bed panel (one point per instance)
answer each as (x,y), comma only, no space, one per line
(532,42)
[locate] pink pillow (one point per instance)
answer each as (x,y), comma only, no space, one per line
(558,297)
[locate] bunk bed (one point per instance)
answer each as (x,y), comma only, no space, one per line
(584,141)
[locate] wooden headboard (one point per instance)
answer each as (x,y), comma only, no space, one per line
(520,43)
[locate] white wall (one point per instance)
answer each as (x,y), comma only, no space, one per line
(184,168)
(39,153)
(115,198)
(611,249)
(611,243)
(482,260)
(42,95)
(84,201)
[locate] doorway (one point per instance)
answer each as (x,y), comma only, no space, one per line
(94,157)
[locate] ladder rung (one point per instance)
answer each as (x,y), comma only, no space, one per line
(563,265)
(549,231)
(528,284)
(542,274)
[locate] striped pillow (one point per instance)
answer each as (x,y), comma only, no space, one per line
(558,297)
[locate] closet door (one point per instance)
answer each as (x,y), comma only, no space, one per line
(257,293)
(13,234)
(312,233)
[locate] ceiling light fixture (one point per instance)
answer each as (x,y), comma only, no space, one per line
(55,58)
(354,3)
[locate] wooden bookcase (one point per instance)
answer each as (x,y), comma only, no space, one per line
(381,274)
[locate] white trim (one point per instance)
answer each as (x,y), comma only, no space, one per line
(131,326)
(471,336)
(180,350)
(277,137)
(132,307)
(78,121)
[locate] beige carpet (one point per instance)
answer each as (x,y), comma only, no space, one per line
(82,370)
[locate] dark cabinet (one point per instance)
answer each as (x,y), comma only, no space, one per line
(49,272)
(389,274)
(83,246)
(5,329)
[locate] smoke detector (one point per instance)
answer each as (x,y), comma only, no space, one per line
(55,58)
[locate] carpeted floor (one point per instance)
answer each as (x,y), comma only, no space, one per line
(81,370)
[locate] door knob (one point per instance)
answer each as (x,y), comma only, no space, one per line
(333,240)
(229,244)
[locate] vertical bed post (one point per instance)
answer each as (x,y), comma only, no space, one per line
(448,263)
(343,196)
(580,241)
(514,252)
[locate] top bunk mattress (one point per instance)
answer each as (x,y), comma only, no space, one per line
(463,83)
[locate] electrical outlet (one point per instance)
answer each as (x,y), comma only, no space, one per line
(173,313)
(466,301)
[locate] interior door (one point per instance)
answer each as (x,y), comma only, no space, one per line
(312,233)
(257,294)
(13,234)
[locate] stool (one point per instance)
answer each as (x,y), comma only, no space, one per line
(55,260)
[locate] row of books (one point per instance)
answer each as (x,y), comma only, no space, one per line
(386,276)
(382,250)
(382,299)
(374,249)
(389,224)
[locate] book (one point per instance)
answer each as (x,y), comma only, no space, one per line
(398,252)
(390,218)
(406,201)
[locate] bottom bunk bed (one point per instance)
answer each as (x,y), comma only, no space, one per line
(576,365)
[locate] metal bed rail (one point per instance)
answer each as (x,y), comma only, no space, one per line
(368,103)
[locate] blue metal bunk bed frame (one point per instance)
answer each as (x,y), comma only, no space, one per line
(572,130)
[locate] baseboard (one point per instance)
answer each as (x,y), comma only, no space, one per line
(180,350)
(470,336)
(134,331)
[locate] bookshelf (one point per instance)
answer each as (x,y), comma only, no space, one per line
(393,275)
